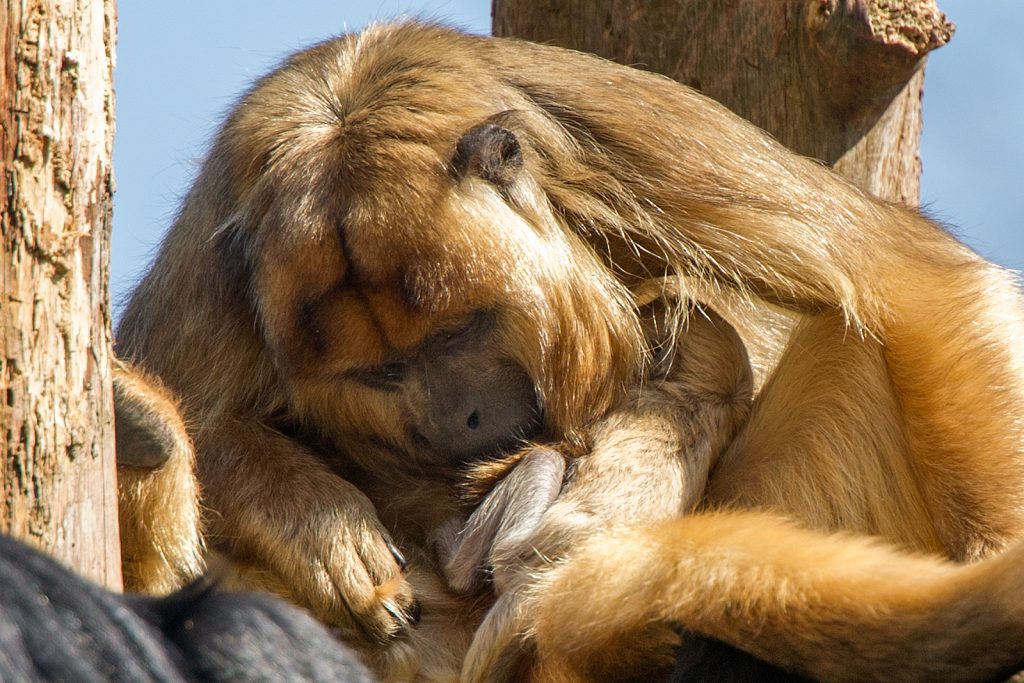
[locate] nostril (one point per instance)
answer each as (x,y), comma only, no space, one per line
(473,421)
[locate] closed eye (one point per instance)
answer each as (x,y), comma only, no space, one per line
(392,372)
(386,377)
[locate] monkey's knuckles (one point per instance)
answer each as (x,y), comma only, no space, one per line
(346,571)
(502,523)
(521,570)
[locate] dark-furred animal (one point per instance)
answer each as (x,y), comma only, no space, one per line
(56,626)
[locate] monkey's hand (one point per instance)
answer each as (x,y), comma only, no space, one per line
(647,464)
(291,526)
(344,566)
(506,519)
(332,555)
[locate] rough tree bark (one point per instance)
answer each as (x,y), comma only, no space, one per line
(837,80)
(56,435)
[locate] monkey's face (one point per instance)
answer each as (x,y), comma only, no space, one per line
(417,293)
(459,393)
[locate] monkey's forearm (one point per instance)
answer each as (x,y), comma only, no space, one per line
(647,461)
(651,458)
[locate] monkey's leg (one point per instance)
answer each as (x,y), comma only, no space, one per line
(830,442)
(940,330)
(738,210)
(938,361)
(954,355)
(927,392)
(158,496)
(836,608)
(825,443)
(649,460)
(281,509)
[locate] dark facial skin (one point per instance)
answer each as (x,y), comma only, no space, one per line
(463,398)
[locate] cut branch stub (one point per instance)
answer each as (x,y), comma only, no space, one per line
(870,50)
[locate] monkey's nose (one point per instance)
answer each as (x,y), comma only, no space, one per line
(487,417)
(496,419)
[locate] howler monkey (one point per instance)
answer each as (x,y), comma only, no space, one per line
(387,209)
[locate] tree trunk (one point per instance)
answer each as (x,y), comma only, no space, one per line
(837,80)
(58,473)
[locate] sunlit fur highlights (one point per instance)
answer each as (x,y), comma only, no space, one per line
(341,224)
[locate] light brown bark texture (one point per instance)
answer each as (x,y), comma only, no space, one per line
(837,80)
(56,432)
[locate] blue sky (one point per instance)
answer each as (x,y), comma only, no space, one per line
(180,65)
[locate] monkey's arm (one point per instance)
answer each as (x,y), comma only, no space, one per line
(694,399)
(282,511)
(648,460)
(833,607)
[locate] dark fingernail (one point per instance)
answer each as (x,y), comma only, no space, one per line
(399,557)
(415,612)
(400,619)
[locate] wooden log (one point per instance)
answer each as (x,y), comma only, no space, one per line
(56,434)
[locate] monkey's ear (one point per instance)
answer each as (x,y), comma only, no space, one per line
(489,152)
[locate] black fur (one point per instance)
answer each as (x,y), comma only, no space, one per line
(702,660)
(55,626)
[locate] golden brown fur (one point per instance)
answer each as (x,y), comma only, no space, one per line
(335,228)
(839,608)
(158,496)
